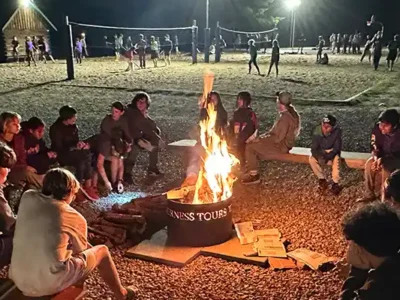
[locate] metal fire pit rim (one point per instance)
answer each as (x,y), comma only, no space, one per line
(202,204)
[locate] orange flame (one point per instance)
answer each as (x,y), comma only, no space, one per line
(218,163)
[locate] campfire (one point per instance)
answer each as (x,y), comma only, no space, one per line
(215,180)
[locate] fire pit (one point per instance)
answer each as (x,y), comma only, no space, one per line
(199,225)
(203,217)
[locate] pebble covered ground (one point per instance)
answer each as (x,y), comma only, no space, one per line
(287,199)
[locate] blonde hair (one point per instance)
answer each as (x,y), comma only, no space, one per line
(6,118)
(60,183)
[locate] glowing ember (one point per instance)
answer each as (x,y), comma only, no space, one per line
(215,179)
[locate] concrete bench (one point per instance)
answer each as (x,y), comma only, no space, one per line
(8,291)
(354,160)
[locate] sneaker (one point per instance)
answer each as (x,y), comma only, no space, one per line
(251,179)
(367,199)
(118,187)
(154,172)
(323,184)
(336,189)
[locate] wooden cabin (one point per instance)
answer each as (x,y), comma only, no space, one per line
(23,21)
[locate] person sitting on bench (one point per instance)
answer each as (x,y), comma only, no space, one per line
(244,126)
(20,175)
(71,151)
(62,255)
(372,231)
(280,139)
(114,142)
(7,217)
(326,147)
(385,144)
(145,134)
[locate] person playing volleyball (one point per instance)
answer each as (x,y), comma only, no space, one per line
(167,49)
(275,57)
(253,56)
(154,50)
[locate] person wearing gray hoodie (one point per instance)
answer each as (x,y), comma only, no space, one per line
(325,149)
(280,139)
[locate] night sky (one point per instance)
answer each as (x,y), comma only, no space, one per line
(314,17)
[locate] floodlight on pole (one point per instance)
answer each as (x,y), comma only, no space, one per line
(26,3)
(292,5)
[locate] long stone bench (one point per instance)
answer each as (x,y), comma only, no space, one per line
(354,160)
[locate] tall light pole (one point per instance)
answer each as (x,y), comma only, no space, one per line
(207,35)
(292,5)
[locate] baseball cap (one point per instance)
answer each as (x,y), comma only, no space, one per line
(329,119)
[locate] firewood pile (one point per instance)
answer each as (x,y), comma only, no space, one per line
(130,223)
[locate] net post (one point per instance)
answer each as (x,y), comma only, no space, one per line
(194,42)
(70,52)
(207,35)
(218,43)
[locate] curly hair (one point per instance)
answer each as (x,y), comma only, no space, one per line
(140,96)
(375,227)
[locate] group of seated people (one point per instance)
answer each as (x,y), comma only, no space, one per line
(63,256)
(123,134)
(250,147)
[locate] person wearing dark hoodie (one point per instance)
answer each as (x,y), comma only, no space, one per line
(373,234)
(114,144)
(36,155)
(7,217)
(325,149)
(145,135)
(385,146)
(221,125)
(71,151)
(244,126)
(280,139)
(360,264)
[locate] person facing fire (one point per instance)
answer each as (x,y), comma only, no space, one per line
(385,145)
(244,126)
(325,149)
(372,231)
(393,47)
(280,139)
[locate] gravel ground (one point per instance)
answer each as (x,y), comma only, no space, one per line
(287,199)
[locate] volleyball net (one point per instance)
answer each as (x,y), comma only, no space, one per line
(238,41)
(102,40)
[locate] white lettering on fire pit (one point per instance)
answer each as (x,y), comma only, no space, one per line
(201,217)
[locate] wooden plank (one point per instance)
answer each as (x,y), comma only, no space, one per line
(354,160)
(159,250)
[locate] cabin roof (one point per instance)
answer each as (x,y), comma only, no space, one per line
(8,12)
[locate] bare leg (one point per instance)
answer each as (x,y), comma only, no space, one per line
(120,175)
(52,58)
(101,170)
(277,68)
(114,169)
(270,67)
(250,62)
(108,271)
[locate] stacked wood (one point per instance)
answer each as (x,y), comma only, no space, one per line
(130,223)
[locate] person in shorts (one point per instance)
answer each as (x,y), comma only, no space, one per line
(167,50)
(154,50)
(15,49)
(393,47)
(275,58)
(62,256)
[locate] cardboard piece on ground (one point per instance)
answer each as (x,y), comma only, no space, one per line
(312,259)
(272,233)
(159,250)
(245,233)
(183,143)
(270,247)
(234,251)
(281,263)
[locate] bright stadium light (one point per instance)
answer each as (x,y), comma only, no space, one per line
(26,3)
(292,4)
